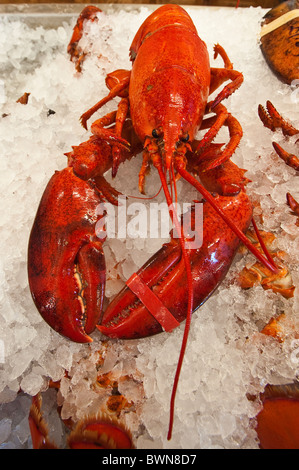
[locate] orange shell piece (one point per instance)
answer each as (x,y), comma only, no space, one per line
(278,422)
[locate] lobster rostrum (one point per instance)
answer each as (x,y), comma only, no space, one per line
(164,101)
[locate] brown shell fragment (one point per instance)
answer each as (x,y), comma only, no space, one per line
(280,46)
(24,98)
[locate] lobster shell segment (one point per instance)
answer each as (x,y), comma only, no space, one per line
(127,318)
(164,16)
(66,265)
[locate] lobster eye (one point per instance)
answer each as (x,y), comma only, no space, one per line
(185,138)
(155,133)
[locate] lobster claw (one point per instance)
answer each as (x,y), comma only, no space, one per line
(164,274)
(66,264)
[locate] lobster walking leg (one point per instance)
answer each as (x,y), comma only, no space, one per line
(215,124)
(118,83)
(223,75)
(219,76)
(97,129)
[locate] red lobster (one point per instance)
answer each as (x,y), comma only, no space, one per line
(164,100)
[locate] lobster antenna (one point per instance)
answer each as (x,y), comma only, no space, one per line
(269,263)
(261,242)
(174,218)
(174,184)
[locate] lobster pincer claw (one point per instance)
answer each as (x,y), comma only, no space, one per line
(293,204)
(128,317)
(289,158)
(273,120)
(66,265)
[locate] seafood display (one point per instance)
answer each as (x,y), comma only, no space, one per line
(165,97)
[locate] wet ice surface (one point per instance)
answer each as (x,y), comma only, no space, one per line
(227,358)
